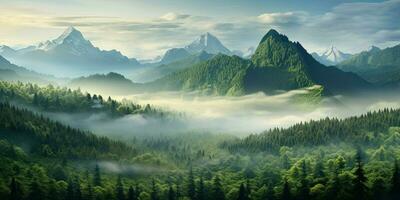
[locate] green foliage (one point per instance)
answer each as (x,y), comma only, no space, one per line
(56,99)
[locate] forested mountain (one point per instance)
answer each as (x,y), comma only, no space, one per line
(111,84)
(375,65)
(364,129)
(277,64)
(152,73)
(53,140)
(193,167)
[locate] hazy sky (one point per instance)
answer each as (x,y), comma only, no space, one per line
(146,28)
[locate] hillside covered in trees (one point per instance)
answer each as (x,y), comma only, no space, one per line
(277,64)
(326,159)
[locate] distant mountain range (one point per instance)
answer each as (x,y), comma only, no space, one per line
(11,72)
(331,56)
(152,73)
(175,59)
(277,64)
(375,65)
(70,54)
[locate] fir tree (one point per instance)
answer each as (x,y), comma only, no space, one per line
(360,188)
(96,176)
(119,189)
(218,192)
(191,185)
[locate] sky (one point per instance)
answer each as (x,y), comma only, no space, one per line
(145,29)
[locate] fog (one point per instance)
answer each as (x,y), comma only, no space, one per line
(228,115)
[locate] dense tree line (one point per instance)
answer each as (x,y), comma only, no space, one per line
(57,99)
(362,129)
(54,140)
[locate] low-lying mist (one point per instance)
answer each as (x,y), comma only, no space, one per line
(229,115)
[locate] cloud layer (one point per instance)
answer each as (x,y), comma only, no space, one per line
(350,26)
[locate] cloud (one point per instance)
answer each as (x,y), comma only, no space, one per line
(351,27)
(174,16)
(287,18)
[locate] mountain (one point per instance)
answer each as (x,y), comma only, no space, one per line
(11,72)
(109,84)
(331,56)
(208,43)
(155,72)
(375,65)
(277,64)
(71,54)
(174,54)
(7,51)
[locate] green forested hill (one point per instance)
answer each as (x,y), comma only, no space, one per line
(54,140)
(364,129)
(111,83)
(278,64)
(56,99)
(376,65)
(152,73)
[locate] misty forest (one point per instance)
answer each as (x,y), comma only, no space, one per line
(181,120)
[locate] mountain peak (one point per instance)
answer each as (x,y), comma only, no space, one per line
(209,43)
(70,33)
(272,33)
(71,36)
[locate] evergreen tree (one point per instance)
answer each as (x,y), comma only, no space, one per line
(201,190)
(360,187)
(132,194)
(304,189)
(191,185)
(119,189)
(96,176)
(242,193)
(78,191)
(154,192)
(378,188)
(286,194)
(89,195)
(70,191)
(15,193)
(395,182)
(218,192)
(171,193)
(36,192)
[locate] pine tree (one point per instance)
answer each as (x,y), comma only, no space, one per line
(36,192)
(191,185)
(96,176)
(201,190)
(132,194)
(360,188)
(304,189)
(395,182)
(70,191)
(171,193)
(242,193)
(89,195)
(154,192)
(218,192)
(15,193)
(119,189)
(286,195)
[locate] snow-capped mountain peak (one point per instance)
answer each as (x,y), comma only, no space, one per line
(331,56)
(71,37)
(209,43)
